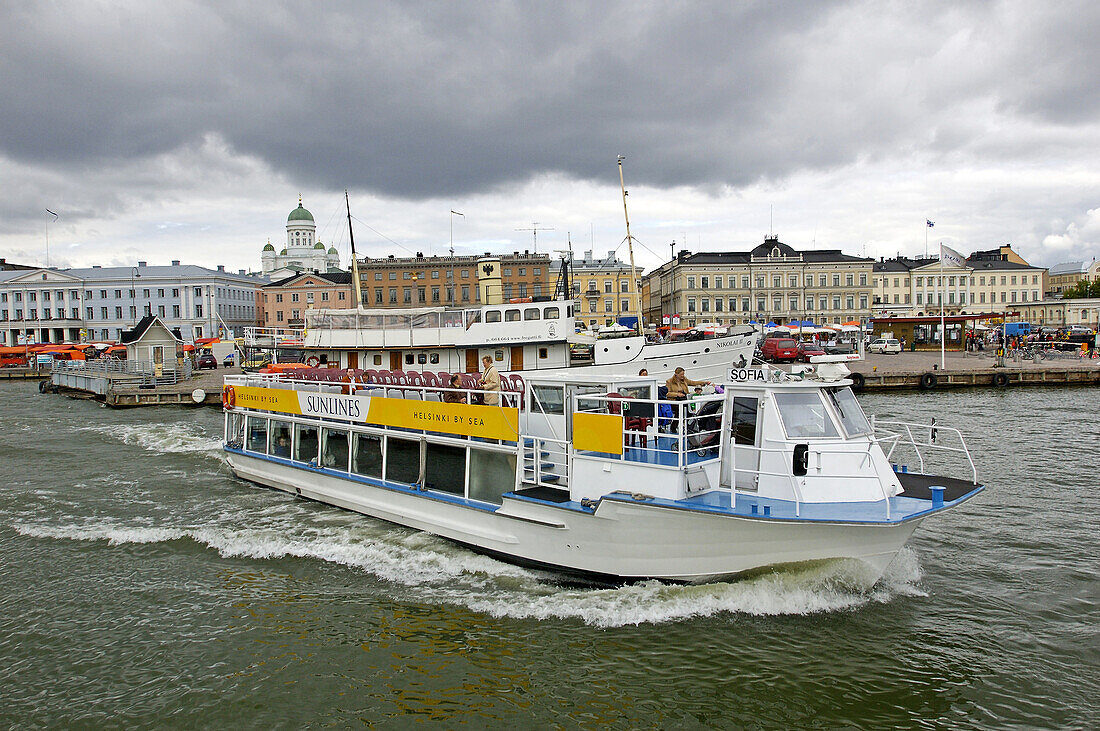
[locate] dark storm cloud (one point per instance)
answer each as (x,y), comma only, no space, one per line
(419,100)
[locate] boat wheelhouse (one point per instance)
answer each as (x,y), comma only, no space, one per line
(518,336)
(603,476)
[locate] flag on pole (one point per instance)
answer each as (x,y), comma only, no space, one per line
(951,257)
(929,223)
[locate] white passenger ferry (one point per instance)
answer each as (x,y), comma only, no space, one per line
(600,475)
(519,337)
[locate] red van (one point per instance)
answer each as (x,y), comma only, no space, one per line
(777,349)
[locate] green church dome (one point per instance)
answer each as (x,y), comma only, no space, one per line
(332,250)
(269,247)
(282,253)
(299,214)
(319,245)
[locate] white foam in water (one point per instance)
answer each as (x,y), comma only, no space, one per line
(168,437)
(435,570)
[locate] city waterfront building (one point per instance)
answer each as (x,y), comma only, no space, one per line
(772,282)
(435,281)
(302,253)
(989,282)
(99,303)
(283,303)
(1066,275)
(603,291)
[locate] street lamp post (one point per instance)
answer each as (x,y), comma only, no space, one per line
(133,292)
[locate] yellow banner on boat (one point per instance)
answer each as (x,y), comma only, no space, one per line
(486,422)
(598,432)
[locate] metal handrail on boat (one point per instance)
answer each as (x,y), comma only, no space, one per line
(930,445)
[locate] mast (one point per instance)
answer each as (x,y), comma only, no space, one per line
(630,247)
(356,285)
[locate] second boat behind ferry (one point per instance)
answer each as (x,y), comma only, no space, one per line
(520,337)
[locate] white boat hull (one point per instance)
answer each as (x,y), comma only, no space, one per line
(626,540)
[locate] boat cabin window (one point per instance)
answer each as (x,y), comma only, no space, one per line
(491,475)
(433,358)
(402,460)
(421,358)
(852,417)
(368,456)
(236,428)
(279,445)
(544,353)
(552,313)
(547,399)
(744,420)
(257,435)
(305,442)
(511,315)
(804,415)
(445,468)
(334,449)
(492,316)
(408,358)
(378,359)
(531,313)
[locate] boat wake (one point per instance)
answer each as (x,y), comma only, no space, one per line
(170,437)
(430,569)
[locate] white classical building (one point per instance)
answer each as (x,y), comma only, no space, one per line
(302,253)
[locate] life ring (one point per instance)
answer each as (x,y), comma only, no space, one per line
(313,361)
(857,382)
(1000,380)
(928,381)
(229,397)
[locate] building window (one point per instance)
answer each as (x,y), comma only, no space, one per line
(691,283)
(406,295)
(836,301)
(863,301)
(324,296)
(777,281)
(393,295)
(691,304)
(175,311)
(849,280)
(793,281)
(293,296)
(608,305)
(718,304)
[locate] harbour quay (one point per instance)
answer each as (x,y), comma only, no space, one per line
(921,370)
(127,389)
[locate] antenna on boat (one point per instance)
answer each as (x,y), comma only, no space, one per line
(630,246)
(356,285)
(563,289)
(451,287)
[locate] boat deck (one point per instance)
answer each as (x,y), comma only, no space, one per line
(903,507)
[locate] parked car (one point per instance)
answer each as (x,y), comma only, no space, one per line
(776,349)
(885,345)
(809,350)
(207,360)
(840,346)
(256,362)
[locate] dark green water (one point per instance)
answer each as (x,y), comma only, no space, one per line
(143,586)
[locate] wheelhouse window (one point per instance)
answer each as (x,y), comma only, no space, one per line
(531,313)
(547,399)
(852,417)
(804,416)
(492,316)
(551,313)
(511,315)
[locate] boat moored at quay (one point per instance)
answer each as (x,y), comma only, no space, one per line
(601,475)
(520,337)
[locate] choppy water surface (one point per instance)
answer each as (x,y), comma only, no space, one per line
(144,586)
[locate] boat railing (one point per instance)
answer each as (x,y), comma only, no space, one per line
(921,438)
(663,433)
(547,462)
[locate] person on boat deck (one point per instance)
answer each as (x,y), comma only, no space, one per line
(455,394)
(679,386)
(643,372)
(349,379)
(490,381)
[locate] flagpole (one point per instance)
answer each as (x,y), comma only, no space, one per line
(943,329)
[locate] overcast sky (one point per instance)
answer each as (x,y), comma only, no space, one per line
(187,130)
